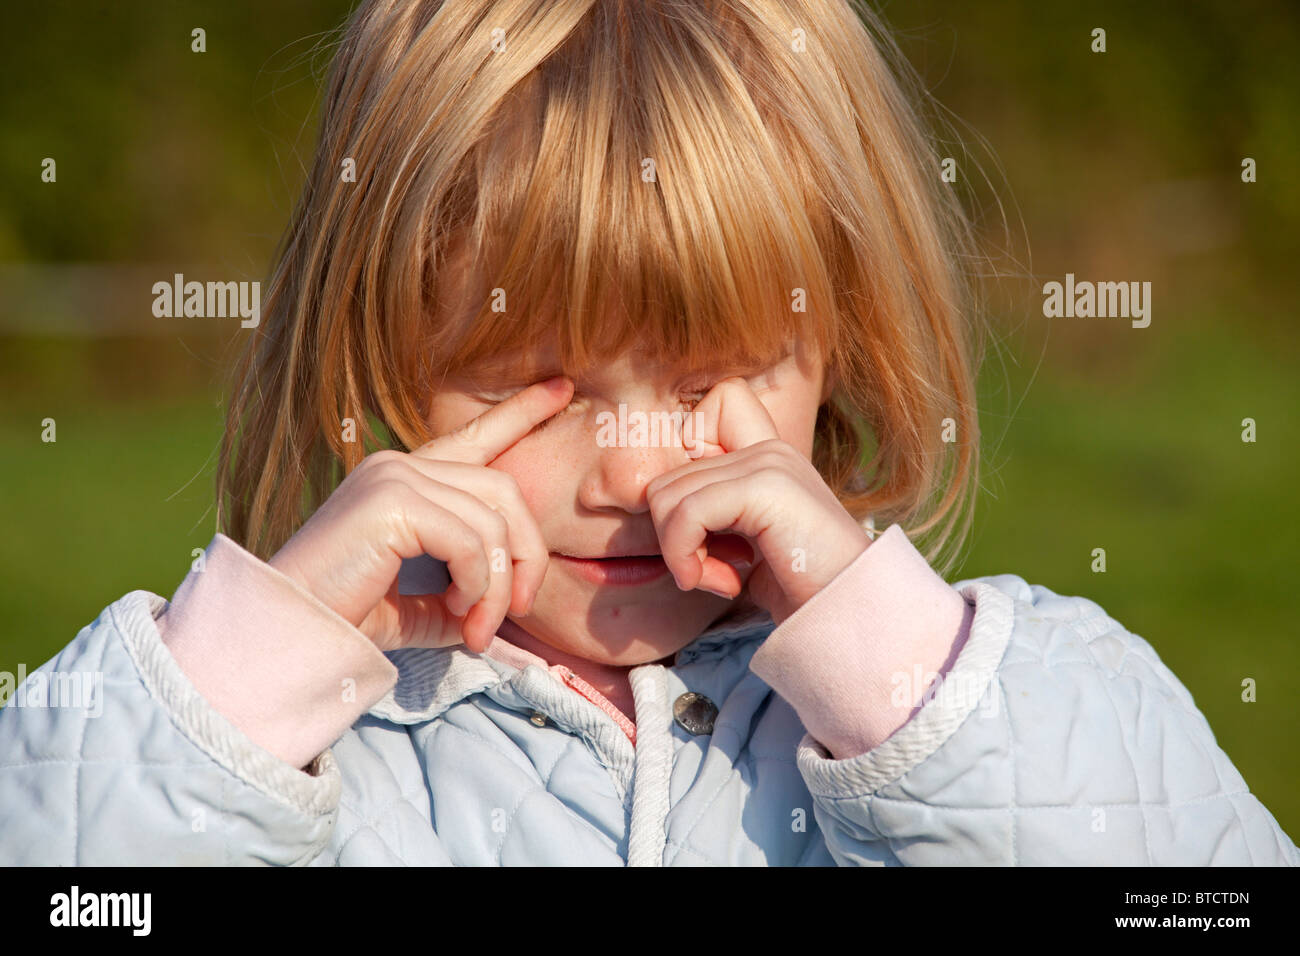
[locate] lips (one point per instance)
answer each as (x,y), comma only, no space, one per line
(615,570)
(622,567)
(608,555)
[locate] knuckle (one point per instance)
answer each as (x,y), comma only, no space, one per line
(391,489)
(474,578)
(383,472)
(505,482)
(385,456)
(659,508)
(772,483)
(471,542)
(468,432)
(500,527)
(675,523)
(689,509)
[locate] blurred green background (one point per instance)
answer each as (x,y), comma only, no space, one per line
(1123,165)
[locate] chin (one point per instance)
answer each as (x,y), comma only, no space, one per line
(619,626)
(623,635)
(624,644)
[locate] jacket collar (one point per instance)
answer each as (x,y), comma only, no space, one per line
(430,680)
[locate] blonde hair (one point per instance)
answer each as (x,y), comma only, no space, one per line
(677,172)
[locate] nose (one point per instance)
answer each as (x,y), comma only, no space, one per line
(618,473)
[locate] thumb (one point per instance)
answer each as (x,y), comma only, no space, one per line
(422,620)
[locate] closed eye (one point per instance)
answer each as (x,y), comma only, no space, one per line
(689,398)
(565,410)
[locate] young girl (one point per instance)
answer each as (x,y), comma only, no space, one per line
(661,310)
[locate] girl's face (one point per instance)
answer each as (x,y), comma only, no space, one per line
(589,496)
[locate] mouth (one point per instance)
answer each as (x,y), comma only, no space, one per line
(615,570)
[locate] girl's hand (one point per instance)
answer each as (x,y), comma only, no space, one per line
(440,500)
(750,482)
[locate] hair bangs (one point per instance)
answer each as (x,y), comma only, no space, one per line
(638,208)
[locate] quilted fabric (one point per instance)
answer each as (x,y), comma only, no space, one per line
(1068,742)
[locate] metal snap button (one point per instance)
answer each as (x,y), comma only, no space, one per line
(538,718)
(695,713)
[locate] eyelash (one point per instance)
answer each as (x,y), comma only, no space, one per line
(550,421)
(693,397)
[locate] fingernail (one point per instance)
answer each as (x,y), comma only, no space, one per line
(557,384)
(720,594)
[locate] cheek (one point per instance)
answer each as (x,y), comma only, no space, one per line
(538,475)
(795,418)
(526,462)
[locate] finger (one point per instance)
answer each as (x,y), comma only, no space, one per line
(486,614)
(731,551)
(483,611)
(413,620)
(435,530)
(684,527)
(725,562)
(528,551)
(730,417)
(424,621)
(482,439)
(757,470)
(685,478)
(731,548)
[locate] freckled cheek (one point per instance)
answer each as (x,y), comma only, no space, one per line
(539,477)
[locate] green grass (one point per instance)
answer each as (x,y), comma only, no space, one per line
(117,502)
(1133,447)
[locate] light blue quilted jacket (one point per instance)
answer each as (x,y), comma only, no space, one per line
(1078,746)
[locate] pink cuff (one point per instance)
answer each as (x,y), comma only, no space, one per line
(277,663)
(856,660)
